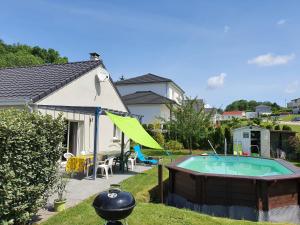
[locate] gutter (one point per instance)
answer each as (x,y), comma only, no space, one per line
(28,103)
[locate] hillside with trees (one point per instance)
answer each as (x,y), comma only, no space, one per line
(23,55)
(245,105)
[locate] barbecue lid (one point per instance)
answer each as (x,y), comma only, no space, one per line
(114,200)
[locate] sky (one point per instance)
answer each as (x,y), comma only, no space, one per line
(219,51)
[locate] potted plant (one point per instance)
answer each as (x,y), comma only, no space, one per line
(61,183)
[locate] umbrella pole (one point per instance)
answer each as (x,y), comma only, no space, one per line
(96,131)
(122,153)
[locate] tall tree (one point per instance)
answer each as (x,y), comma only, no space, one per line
(189,124)
(24,55)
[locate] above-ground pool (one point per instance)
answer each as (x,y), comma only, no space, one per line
(237,187)
(231,165)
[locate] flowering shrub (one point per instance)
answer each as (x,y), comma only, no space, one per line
(28,162)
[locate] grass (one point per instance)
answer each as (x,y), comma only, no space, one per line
(295,128)
(289,117)
(296,163)
(145,213)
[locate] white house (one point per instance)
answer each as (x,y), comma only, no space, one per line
(252,139)
(73,89)
(251,115)
(150,95)
(263,110)
(294,105)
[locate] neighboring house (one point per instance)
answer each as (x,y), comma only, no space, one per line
(150,82)
(263,110)
(228,115)
(215,116)
(73,89)
(294,105)
(251,115)
(152,106)
(148,95)
(198,104)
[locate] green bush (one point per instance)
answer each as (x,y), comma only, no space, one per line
(286,127)
(277,127)
(29,154)
(173,145)
(159,137)
(269,127)
(217,139)
(150,126)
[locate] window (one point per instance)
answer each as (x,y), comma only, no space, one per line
(116,132)
(245,135)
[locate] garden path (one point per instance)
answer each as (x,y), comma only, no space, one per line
(80,189)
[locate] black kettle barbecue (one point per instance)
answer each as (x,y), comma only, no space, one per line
(114,205)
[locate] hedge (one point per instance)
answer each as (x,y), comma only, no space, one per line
(29,152)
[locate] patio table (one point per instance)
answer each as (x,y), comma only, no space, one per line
(79,164)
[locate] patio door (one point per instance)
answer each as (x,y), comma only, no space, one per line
(75,137)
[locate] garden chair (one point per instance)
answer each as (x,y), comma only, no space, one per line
(142,158)
(125,159)
(68,155)
(62,163)
(282,155)
(106,166)
(132,160)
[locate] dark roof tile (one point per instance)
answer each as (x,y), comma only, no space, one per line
(146,97)
(147,78)
(36,82)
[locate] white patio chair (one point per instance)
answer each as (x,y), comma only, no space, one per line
(283,155)
(133,160)
(68,155)
(62,163)
(106,166)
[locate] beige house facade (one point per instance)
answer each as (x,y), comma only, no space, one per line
(73,90)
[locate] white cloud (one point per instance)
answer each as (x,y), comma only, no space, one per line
(216,81)
(271,59)
(281,22)
(207,106)
(292,87)
(226,28)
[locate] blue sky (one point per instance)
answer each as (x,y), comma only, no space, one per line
(217,50)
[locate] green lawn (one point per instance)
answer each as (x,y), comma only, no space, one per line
(289,117)
(145,213)
(295,128)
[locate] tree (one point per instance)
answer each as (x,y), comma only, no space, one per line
(24,55)
(245,105)
(188,124)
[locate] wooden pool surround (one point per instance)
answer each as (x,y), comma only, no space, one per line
(261,193)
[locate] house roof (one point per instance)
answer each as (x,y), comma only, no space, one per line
(36,82)
(146,97)
(235,113)
(250,127)
(146,78)
(263,106)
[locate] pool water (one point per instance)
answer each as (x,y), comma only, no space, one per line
(234,165)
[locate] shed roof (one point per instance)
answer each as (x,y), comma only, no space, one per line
(250,127)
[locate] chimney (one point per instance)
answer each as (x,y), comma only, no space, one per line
(94,56)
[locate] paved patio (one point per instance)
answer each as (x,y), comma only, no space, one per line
(80,189)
